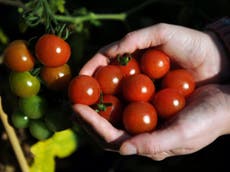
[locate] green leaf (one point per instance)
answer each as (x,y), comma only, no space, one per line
(3,37)
(61,145)
(57,6)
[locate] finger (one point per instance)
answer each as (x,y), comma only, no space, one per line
(91,66)
(99,124)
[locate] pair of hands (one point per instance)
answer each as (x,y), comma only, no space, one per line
(206,115)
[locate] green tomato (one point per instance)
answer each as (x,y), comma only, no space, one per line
(19,120)
(34,107)
(23,84)
(39,130)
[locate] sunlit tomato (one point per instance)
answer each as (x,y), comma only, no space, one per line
(84,89)
(56,78)
(128,65)
(139,117)
(23,84)
(138,87)
(109,78)
(181,80)
(52,51)
(155,63)
(18,57)
(168,102)
(110,107)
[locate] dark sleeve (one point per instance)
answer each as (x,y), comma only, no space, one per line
(222,29)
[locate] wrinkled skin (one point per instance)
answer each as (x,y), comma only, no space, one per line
(206,116)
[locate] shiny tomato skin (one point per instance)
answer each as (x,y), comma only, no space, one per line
(180,79)
(23,84)
(168,102)
(155,63)
(132,67)
(139,117)
(84,89)
(56,78)
(18,57)
(52,51)
(138,87)
(112,112)
(109,78)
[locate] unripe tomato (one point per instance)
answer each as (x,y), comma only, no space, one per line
(20,120)
(18,57)
(23,84)
(155,63)
(139,117)
(168,102)
(84,89)
(56,78)
(39,129)
(52,51)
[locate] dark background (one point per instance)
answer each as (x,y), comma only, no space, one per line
(89,156)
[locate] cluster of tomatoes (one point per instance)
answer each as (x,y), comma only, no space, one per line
(135,91)
(34,73)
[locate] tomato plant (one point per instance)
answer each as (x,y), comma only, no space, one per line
(138,87)
(84,89)
(181,80)
(110,107)
(56,78)
(109,78)
(23,84)
(168,102)
(155,63)
(139,117)
(52,51)
(18,57)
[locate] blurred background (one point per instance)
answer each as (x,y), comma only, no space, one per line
(89,156)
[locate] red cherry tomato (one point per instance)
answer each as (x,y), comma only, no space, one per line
(18,57)
(110,108)
(52,51)
(128,65)
(138,87)
(168,102)
(56,78)
(155,63)
(109,78)
(84,89)
(181,80)
(139,117)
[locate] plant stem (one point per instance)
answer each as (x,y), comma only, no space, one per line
(14,140)
(16,3)
(91,16)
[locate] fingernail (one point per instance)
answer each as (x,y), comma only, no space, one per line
(128,149)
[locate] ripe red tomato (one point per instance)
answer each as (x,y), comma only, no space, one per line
(168,102)
(110,108)
(18,57)
(84,89)
(155,63)
(138,87)
(128,65)
(181,80)
(139,117)
(109,78)
(52,51)
(56,78)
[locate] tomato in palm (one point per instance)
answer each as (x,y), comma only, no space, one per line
(155,63)
(109,78)
(56,78)
(18,57)
(138,87)
(128,65)
(139,117)
(181,80)
(168,102)
(110,107)
(52,51)
(23,84)
(84,89)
